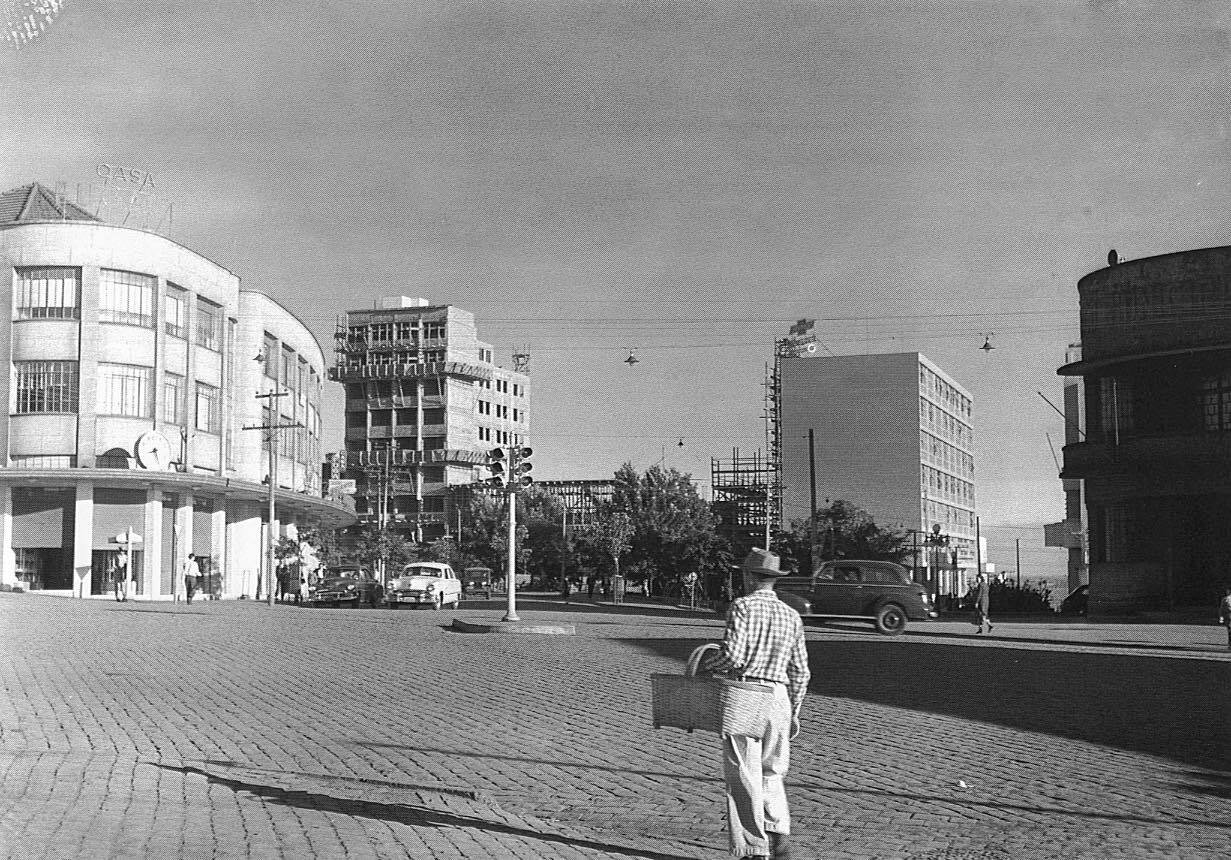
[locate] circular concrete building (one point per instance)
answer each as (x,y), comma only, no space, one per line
(134,365)
(1156,453)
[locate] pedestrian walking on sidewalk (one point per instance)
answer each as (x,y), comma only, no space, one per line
(983,599)
(1224,612)
(764,643)
(192,575)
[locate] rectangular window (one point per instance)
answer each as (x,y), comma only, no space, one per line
(209,324)
(124,389)
(48,293)
(126,297)
(270,351)
(288,369)
(45,386)
(172,398)
(175,313)
(208,411)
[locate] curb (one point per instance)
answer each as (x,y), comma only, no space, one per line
(514,627)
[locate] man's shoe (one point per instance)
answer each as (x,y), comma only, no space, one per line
(780,845)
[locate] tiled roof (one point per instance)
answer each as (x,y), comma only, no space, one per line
(36,202)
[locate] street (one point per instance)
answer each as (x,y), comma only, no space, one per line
(231,729)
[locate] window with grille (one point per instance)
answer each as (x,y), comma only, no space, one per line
(208,411)
(45,386)
(175,312)
(209,324)
(126,297)
(172,398)
(47,293)
(1216,401)
(124,389)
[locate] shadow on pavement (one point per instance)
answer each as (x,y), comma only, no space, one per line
(575,764)
(1178,709)
(400,813)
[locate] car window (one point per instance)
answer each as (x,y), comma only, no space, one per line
(423,571)
(846,574)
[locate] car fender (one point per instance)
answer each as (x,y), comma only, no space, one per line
(800,604)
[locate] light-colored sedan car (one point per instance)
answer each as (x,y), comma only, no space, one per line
(424,583)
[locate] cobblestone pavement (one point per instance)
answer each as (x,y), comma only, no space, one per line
(230,729)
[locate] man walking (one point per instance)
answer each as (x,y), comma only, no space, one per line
(192,574)
(764,643)
(983,597)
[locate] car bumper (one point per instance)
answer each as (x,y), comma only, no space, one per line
(410,598)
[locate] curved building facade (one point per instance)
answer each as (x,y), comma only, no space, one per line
(1156,451)
(133,368)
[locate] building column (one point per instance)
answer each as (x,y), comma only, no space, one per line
(218,543)
(244,549)
(83,539)
(8,559)
(154,561)
(183,542)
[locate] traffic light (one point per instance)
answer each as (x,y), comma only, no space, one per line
(519,475)
(495,464)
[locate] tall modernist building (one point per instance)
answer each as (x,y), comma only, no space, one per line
(425,402)
(130,383)
(893,435)
(1156,454)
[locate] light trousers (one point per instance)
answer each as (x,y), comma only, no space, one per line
(754,769)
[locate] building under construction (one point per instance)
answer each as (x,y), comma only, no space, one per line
(425,402)
(745,493)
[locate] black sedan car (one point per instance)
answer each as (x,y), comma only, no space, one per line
(346,590)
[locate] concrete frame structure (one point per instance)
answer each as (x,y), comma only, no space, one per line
(129,383)
(425,402)
(1156,454)
(893,435)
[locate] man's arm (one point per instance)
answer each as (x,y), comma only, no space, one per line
(797,672)
(734,653)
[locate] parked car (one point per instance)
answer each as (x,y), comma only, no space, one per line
(477,580)
(424,583)
(355,591)
(878,591)
(1077,602)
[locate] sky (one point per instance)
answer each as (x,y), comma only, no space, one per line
(680,179)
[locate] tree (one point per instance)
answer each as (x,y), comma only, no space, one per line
(674,529)
(377,547)
(842,530)
(611,534)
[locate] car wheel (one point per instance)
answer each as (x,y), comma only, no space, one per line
(890,619)
(439,602)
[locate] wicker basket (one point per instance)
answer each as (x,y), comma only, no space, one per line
(710,704)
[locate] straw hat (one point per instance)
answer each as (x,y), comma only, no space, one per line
(762,562)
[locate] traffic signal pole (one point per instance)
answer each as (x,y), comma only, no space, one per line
(510,613)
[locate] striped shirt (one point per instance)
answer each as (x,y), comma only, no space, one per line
(765,641)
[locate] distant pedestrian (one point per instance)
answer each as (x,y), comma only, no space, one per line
(192,576)
(302,597)
(1224,612)
(764,643)
(566,587)
(590,583)
(983,598)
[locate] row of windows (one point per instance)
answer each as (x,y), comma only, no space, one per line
(45,387)
(943,424)
(126,298)
(946,487)
(948,515)
(944,455)
(930,384)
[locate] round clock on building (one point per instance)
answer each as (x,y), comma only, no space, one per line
(153,451)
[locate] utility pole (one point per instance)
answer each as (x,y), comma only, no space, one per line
(1019,562)
(812,519)
(272,428)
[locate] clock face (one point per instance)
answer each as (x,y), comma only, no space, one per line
(153,451)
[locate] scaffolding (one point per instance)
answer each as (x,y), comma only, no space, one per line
(745,493)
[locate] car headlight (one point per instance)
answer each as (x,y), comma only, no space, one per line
(431,586)
(350,587)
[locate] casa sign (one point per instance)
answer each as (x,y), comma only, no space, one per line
(141,179)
